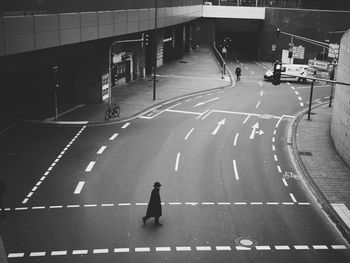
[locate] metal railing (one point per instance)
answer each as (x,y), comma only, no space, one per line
(34,7)
(256,3)
(220,59)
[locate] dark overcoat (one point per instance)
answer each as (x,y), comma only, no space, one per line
(154,208)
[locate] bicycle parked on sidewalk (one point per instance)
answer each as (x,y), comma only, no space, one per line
(113,111)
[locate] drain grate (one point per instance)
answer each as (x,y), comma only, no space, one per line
(303,153)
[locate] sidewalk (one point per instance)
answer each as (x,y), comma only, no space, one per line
(323,169)
(196,71)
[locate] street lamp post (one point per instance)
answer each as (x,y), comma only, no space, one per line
(155,49)
(55,69)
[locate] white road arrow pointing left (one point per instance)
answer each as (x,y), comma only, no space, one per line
(222,122)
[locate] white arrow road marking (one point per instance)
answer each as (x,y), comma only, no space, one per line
(204,102)
(222,122)
(255,127)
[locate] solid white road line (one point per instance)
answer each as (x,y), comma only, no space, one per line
(90,166)
(189,133)
(235,169)
(79,188)
(100,151)
(177,162)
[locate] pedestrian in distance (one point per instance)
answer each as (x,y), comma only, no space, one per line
(238,73)
(154,208)
(2,193)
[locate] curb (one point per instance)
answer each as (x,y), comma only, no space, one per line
(3,257)
(309,182)
(133,116)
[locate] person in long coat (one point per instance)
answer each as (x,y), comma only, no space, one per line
(154,208)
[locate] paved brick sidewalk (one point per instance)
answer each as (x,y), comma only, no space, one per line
(325,171)
(196,71)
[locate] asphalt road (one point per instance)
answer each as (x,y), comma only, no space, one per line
(77,194)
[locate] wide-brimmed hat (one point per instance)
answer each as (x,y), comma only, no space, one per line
(157,184)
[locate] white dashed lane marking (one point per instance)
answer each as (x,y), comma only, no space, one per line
(90,166)
(179,249)
(101,150)
(125,125)
(30,194)
(113,137)
(177,161)
(79,188)
(111,205)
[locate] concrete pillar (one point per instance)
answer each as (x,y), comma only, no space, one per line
(340,128)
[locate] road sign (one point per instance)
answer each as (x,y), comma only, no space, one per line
(318,64)
(298,52)
(105,94)
(333,50)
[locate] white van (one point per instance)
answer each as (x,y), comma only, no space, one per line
(293,70)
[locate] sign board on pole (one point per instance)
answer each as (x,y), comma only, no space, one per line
(105,94)
(333,50)
(318,69)
(318,64)
(298,52)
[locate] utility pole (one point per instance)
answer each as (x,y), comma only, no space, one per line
(55,69)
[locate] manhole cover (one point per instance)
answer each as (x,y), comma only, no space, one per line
(245,241)
(305,153)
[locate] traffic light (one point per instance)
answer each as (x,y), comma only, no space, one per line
(146,39)
(276,78)
(278,31)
